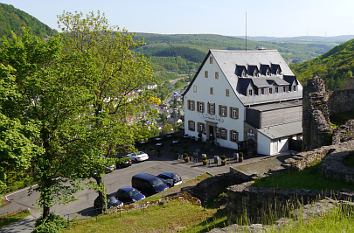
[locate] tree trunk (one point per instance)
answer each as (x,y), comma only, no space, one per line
(101,193)
(46,212)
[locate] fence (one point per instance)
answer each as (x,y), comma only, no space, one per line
(195,158)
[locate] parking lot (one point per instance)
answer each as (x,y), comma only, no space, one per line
(162,158)
(122,177)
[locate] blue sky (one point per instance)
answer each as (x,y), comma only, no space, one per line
(224,17)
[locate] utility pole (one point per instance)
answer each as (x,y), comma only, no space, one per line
(246,30)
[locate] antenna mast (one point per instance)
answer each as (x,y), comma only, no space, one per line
(246,30)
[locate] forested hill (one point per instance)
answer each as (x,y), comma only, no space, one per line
(14,19)
(334,66)
(165,45)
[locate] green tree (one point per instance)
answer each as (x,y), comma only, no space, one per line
(117,78)
(16,149)
(50,103)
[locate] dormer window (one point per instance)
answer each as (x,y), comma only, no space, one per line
(270,90)
(275,69)
(265,70)
(268,72)
(211,60)
(243,74)
(250,92)
(294,88)
(241,71)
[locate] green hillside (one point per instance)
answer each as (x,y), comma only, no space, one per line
(162,45)
(14,19)
(334,66)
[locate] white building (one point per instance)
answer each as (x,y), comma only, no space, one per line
(244,96)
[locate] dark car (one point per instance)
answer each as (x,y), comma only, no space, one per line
(148,184)
(112,201)
(129,195)
(170,178)
(123,162)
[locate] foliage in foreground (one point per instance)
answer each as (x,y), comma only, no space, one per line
(309,178)
(13,217)
(52,224)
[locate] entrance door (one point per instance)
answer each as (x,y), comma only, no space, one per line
(211,133)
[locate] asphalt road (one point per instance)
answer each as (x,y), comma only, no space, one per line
(83,205)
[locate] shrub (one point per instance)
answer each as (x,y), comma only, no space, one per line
(52,224)
(204,157)
(223,157)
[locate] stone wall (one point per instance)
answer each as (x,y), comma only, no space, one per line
(213,186)
(332,166)
(303,159)
(316,114)
(341,101)
(318,105)
(259,203)
(344,132)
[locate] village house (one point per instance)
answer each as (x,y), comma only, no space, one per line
(240,97)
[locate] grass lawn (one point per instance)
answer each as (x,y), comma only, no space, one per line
(170,217)
(309,178)
(2,200)
(340,219)
(13,217)
(349,160)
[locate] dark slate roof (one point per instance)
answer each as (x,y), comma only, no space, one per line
(261,82)
(228,59)
(251,69)
(290,79)
(239,70)
(279,81)
(278,105)
(264,68)
(242,85)
(274,68)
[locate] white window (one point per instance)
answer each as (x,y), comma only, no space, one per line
(234,113)
(194,88)
(227,92)
(206,74)
(216,75)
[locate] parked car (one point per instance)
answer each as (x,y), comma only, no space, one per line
(110,168)
(138,156)
(148,184)
(170,178)
(129,195)
(112,201)
(124,162)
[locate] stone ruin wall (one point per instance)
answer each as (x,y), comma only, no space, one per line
(318,105)
(256,202)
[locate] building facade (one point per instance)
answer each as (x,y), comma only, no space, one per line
(244,96)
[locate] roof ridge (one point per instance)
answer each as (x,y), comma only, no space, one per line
(239,51)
